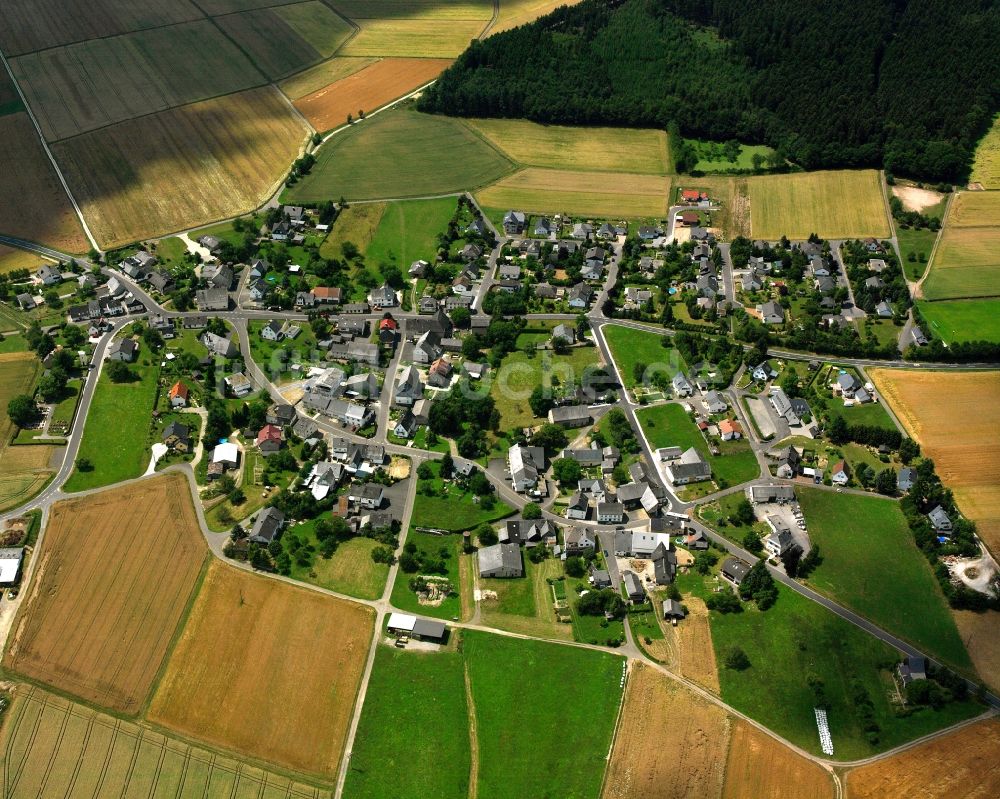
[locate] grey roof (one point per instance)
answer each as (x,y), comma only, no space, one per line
(735,568)
(633,585)
(673,608)
(500,557)
(266,526)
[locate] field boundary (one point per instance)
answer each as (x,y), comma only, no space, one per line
(473,731)
(629,665)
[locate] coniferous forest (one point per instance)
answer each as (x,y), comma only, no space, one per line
(910,85)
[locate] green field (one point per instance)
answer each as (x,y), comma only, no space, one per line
(350,570)
(408,231)
(711,158)
(398,154)
(868,413)
(455,510)
(963,320)
(520,373)
(523,724)
(629,347)
(797,641)
(916,241)
(116,435)
(670,426)
(425,750)
(55,747)
(871,565)
(966,264)
(404,599)
(838,204)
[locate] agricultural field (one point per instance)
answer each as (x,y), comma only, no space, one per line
(759,767)
(370,84)
(602,194)
(973,769)
(659,709)
(855,534)
(413,38)
(426,749)
(986,166)
(12,259)
(630,347)
(183,167)
(114,579)
(578,148)
(216,7)
(246,632)
(286,39)
(398,154)
(520,373)
(408,231)
(537,707)
(322,75)
(975,209)
(55,747)
(965,264)
(24,470)
(963,320)
(415,9)
(836,204)
(103,81)
(65,23)
(520,12)
(696,655)
(33,203)
(356,224)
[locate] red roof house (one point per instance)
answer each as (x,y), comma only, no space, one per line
(178,395)
(269,438)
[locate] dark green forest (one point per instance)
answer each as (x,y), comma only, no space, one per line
(910,85)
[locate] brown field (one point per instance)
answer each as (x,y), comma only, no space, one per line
(694,643)
(181,168)
(115,576)
(330,71)
(33,203)
(670,744)
(416,38)
(963,765)
(369,89)
(11,259)
(975,209)
(521,12)
(284,661)
(979,634)
(759,767)
(72,22)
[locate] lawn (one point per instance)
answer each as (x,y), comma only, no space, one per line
(425,750)
(670,426)
(518,720)
(520,372)
(629,347)
(350,570)
(918,242)
(798,641)
(408,231)
(451,607)
(712,159)
(871,565)
(275,357)
(116,435)
(13,342)
(401,153)
(451,508)
(963,320)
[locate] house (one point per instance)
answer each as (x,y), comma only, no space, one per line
(212,299)
(528,532)
(324,477)
(418,629)
(406,425)
(178,395)
(847,384)
(578,507)
(382,297)
(427,348)
(477,228)
(883,310)
(771,313)
(269,439)
(912,668)
(940,520)
(906,478)
(123,349)
(281,231)
(688,218)
(388,329)
(780,540)
(565,332)
(595,489)
(514,222)
(689,468)
(782,405)
(227,455)
(526,464)
(919,339)
(367,495)
(266,526)
(826,285)
(220,346)
(630,494)
(647,233)
(470,252)
(610,512)
(418,268)
(474,371)
(501,560)
(752,281)
(839,473)
(771,493)
(715,403)
(633,587)
(664,563)
(137,264)
(330,295)
(25,301)
(217,276)
(696,540)
(162,325)
(48,275)
(427,305)
(211,243)
(545,291)
(735,570)
(672,609)
(363,352)
(271,331)
(508,271)
(582,231)
(730,430)
(636,297)
(177,437)
(409,387)
(238,384)
(789,463)
(355,308)
(682,387)
(542,227)
(570,416)
(578,541)
(461,285)
(439,373)
(763,372)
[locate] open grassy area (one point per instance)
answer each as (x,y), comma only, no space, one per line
(867,413)
(452,509)
(569,689)
(798,641)
(965,264)
(356,224)
(434,545)
(963,320)
(986,166)
(520,373)
(834,204)
(712,159)
(408,231)
(629,347)
(425,750)
(401,153)
(919,242)
(350,570)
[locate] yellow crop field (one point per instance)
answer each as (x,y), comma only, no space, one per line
(837,204)
(414,9)
(324,74)
(55,747)
(986,166)
(966,264)
(181,168)
(521,12)
(975,209)
(582,193)
(11,259)
(282,659)
(759,767)
(414,38)
(578,148)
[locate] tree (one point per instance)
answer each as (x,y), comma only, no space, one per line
(704,561)
(736,659)
(425,472)
(751,543)
(447,468)
(84,465)
(812,559)
(885,482)
(744,514)
(638,371)
(531,511)
(567,471)
(908,450)
(22,410)
(52,386)
(486,535)
(540,401)
(837,431)
(461,318)
(551,437)
(575,566)
(382,554)
(118,372)
(759,586)
(724,602)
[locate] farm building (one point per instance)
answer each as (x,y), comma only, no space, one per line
(500,560)
(633,587)
(570,416)
(10,564)
(761,494)
(672,609)
(420,629)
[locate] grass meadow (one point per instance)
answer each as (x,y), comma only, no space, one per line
(520,372)
(350,570)
(963,320)
(450,508)
(450,546)
(630,347)
(408,231)
(986,165)
(919,242)
(965,264)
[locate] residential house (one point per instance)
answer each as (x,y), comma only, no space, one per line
(327,295)
(847,384)
(406,425)
(565,332)
(582,231)
(570,416)
(162,325)
(177,437)
(266,526)
(940,520)
(409,387)
(178,395)
(427,348)
(688,218)
(217,276)
(682,387)
(470,252)
(418,269)
(545,291)
(542,227)
(599,578)
(367,495)
(735,570)
(672,609)
(269,439)
(906,478)
(211,243)
(839,473)
(771,493)
(48,275)
(427,305)
(323,478)
(912,668)
(592,488)
(382,297)
(730,430)
(138,264)
(610,512)
(529,532)
(883,310)
(782,405)
(689,468)
(508,271)
(462,285)
(647,233)
(578,507)
(363,352)
(212,299)
(238,384)
(364,385)
(715,403)
(477,228)
(771,313)
(439,374)
(780,540)
(272,331)
(525,464)
(826,285)
(514,222)
(123,349)
(664,563)
(26,302)
(220,346)
(579,541)
(789,463)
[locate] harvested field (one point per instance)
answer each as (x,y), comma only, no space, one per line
(759,767)
(963,765)
(966,264)
(834,204)
(975,209)
(521,12)
(368,89)
(24,470)
(414,38)
(580,148)
(286,660)
(915,199)
(691,735)
(587,193)
(33,203)
(55,747)
(183,167)
(694,644)
(986,165)
(979,633)
(72,22)
(217,7)
(322,75)
(356,224)
(414,9)
(99,82)
(115,576)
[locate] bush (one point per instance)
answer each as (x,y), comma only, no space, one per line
(575,566)
(532,511)
(724,602)
(737,659)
